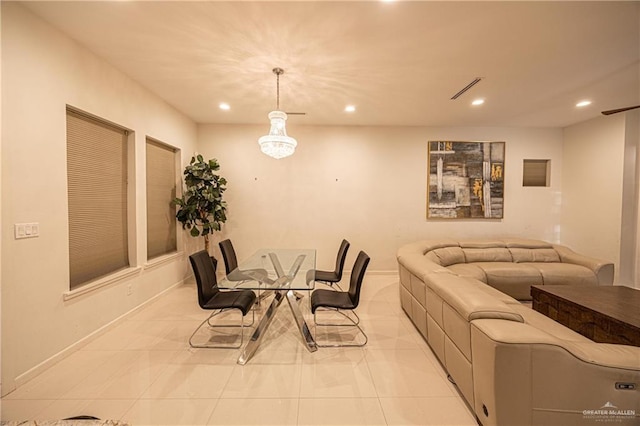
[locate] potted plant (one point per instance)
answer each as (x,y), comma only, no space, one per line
(201,208)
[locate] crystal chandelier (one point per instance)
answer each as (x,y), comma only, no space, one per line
(277,144)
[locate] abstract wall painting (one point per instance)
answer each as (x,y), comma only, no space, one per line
(466,180)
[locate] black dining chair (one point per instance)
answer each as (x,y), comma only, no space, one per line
(211,298)
(342,302)
(229,255)
(334,277)
(235,274)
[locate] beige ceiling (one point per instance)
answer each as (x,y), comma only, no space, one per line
(399,62)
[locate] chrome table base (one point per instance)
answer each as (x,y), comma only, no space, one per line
(292,298)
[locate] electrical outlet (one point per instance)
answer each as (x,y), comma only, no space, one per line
(129,290)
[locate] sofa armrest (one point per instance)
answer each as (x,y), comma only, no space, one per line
(512,332)
(606,354)
(604,270)
(602,354)
(465,296)
(557,381)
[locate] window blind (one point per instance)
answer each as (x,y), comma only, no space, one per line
(97,196)
(535,173)
(161,190)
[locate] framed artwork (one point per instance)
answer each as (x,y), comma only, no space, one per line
(465,180)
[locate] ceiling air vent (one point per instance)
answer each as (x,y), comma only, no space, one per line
(467,87)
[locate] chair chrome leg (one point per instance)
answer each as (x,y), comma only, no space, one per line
(242,326)
(344,314)
(355,324)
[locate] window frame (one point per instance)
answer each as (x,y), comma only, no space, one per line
(160,258)
(132,268)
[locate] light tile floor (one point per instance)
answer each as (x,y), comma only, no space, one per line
(144,372)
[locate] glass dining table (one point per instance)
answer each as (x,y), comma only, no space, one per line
(283,272)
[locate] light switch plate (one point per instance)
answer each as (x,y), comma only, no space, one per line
(26,230)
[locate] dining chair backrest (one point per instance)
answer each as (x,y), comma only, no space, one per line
(357,276)
(205,274)
(340,258)
(229,256)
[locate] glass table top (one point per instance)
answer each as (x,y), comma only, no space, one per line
(271,269)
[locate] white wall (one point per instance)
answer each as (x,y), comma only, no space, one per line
(637,136)
(629,256)
(368,184)
(592,177)
(637,250)
(42,72)
(1,201)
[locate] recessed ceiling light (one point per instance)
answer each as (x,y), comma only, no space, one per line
(583,104)
(477,102)
(350,108)
(225,106)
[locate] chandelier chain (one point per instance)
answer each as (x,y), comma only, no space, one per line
(278,71)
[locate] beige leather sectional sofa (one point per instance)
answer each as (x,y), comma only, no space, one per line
(514,366)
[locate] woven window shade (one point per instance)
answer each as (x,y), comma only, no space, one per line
(161,190)
(97,191)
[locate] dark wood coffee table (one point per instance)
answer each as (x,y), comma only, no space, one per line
(605,314)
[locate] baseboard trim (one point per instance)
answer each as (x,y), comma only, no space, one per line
(49,362)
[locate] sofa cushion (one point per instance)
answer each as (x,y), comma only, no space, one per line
(486,288)
(469,270)
(495,254)
(459,368)
(435,244)
(512,279)
(526,243)
(436,337)
(565,274)
(481,243)
(603,270)
(418,290)
(521,255)
(458,331)
(446,256)
(434,306)
(415,264)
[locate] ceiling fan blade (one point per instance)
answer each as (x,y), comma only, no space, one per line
(615,111)
(296,113)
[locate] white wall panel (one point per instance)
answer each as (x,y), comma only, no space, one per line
(367,184)
(42,72)
(592,177)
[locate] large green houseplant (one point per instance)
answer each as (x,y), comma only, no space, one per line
(201,208)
